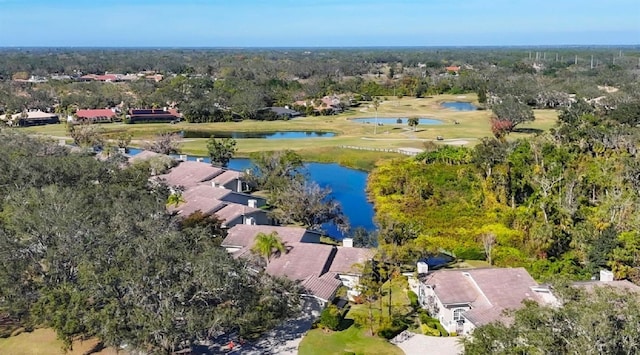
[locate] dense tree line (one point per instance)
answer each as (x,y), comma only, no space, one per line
(562,202)
(88,249)
(224,84)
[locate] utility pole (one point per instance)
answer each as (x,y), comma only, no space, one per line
(575,62)
(592,61)
(556,57)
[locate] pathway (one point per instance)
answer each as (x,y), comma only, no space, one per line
(418,344)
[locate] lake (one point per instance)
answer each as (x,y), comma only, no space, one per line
(394,120)
(347,185)
(259,135)
(459,106)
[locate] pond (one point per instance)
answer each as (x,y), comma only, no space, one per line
(348,187)
(259,135)
(394,120)
(459,106)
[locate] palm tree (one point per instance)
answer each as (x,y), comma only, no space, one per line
(376,104)
(413,122)
(268,244)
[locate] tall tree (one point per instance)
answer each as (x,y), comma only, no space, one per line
(512,111)
(221,151)
(413,122)
(165,143)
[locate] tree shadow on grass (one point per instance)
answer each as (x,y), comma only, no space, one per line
(527,130)
(345,324)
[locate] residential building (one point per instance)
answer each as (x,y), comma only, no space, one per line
(95,116)
(465,299)
(153,115)
(319,268)
(30,118)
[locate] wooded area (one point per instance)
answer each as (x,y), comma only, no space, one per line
(88,249)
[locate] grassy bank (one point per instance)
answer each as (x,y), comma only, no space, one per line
(44,342)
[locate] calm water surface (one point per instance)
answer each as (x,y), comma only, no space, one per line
(347,186)
(459,106)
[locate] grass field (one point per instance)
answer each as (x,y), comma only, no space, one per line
(44,342)
(472,125)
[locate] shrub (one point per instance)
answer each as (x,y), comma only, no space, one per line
(389,330)
(331,317)
(428,331)
(413,298)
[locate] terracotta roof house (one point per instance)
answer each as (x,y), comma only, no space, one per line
(203,204)
(190,174)
(453,69)
(233,214)
(321,269)
(96,116)
(465,299)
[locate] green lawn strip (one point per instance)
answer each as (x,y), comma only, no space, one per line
(352,340)
(356,339)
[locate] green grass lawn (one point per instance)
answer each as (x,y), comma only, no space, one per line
(44,342)
(352,340)
(472,126)
(356,339)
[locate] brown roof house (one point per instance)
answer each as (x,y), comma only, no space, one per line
(465,299)
(320,268)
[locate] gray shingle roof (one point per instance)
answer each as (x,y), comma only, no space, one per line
(302,260)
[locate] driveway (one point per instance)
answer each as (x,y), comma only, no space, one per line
(418,344)
(284,339)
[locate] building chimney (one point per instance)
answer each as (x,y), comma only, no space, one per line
(606,276)
(250,221)
(253,203)
(423,268)
(214,184)
(347,242)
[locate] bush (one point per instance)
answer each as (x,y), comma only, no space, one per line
(390,330)
(469,253)
(413,298)
(428,331)
(331,317)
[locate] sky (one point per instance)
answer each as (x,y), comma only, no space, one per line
(327,23)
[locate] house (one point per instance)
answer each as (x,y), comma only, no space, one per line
(153,115)
(223,194)
(465,299)
(319,268)
(30,118)
(232,180)
(346,265)
(96,116)
(455,69)
(190,173)
(281,112)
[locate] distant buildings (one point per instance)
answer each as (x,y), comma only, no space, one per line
(153,115)
(30,118)
(96,116)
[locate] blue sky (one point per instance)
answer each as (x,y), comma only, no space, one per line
(302,23)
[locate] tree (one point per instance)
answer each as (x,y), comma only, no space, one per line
(376,104)
(363,238)
(86,135)
(488,241)
(601,321)
(310,205)
(413,122)
(164,143)
(512,111)
(273,171)
(221,151)
(267,245)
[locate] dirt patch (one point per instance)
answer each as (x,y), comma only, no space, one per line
(608,89)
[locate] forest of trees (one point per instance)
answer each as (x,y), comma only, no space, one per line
(88,249)
(566,201)
(221,85)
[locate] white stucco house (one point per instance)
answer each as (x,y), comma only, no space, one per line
(464,299)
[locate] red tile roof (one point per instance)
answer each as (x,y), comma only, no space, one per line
(95,113)
(190,173)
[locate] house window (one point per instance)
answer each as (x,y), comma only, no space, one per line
(457,314)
